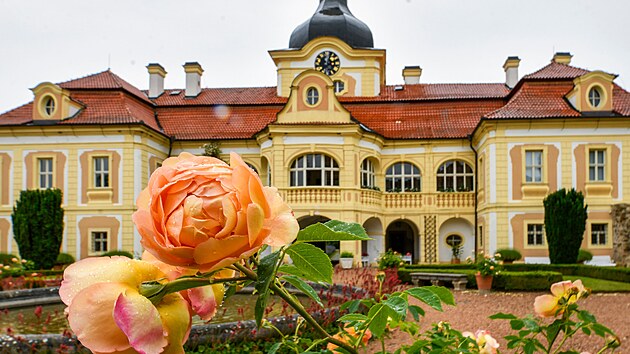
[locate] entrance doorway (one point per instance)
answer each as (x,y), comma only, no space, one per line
(400,237)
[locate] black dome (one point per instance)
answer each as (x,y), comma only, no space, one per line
(333,18)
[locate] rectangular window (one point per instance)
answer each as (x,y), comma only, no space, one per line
(597,165)
(533,166)
(45,172)
(99,241)
(599,234)
(101,172)
(535,235)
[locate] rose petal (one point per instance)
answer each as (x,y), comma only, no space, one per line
(214,250)
(257,194)
(229,211)
(174,226)
(546,305)
(255,221)
(136,316)
(91,318)
(176,321)
(558,289)
(206,299)
(89,271)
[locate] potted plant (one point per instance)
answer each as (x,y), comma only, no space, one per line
(508,255)
(487,267)
(457,252)
(346,259)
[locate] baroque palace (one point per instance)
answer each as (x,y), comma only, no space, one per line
(423,167)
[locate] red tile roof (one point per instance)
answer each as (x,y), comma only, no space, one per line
(538,100)
(423,120)
(424,92)
(105,80)
(107,107)
(218,122)
(557,71)
(18,116)
(222,96)
(621,101)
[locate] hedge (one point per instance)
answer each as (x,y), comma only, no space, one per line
(506,280)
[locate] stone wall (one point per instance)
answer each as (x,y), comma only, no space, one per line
(621,234)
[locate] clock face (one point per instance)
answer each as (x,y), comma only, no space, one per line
(327,62)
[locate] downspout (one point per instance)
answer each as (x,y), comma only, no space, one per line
(475,201)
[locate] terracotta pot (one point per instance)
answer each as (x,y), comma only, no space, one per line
(484,282)
(455,261)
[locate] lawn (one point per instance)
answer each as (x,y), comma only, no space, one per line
(600,285)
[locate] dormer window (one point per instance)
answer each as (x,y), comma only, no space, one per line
(312,96)
(595,97)
(339,86)
(49,106)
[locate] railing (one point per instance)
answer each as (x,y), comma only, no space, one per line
(455,200)
(403,200)
(312,196)
(371,199)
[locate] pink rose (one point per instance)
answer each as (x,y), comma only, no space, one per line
(198,212)
(564,293)
(485,342)
(109,315)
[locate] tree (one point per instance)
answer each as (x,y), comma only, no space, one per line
(565,221)
(38,226)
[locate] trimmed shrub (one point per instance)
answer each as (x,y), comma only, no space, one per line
(346,254)
(38,226)
(117,253)
(565,221)
(584,255)
(64,259)
(508,255)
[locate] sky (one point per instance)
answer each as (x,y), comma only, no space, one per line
(452,40)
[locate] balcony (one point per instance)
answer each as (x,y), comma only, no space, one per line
(376,201)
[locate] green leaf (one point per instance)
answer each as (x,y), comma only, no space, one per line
(517,324)
(433,296)
(265,273)
(303,287)
(377,318)
(398,306)
(292,270)
(274,348)
(503,316)
(586,317)
(353,317)
(312,262)
(333,230)
(416,312)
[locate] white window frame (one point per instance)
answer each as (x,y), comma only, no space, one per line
(595,165)
(534,161)
(93,233)
(307,165)
(467,176)
(312,96)
(45,174)
(537,230)
(599,235)
(595,97)
(409,181)
(368,177)
(102,172)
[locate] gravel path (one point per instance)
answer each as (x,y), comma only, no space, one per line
(473,309)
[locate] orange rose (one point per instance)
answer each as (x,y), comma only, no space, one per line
(349,335)
(201,213)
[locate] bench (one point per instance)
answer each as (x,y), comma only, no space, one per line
(459,280)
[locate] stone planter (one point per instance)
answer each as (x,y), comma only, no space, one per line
(484,283)
(346,263)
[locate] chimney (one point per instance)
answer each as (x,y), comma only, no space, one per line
(511,71)
(412,74)
(193,79)
(562,58)
(156,79)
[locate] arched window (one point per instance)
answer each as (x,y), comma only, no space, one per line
(367,174)
(252,167)
(403,177)
(314,170)
(455,176)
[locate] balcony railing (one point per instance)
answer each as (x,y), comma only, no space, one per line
(372,199)
(312,196)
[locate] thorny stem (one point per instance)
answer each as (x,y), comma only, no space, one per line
(156,291)
(298,308)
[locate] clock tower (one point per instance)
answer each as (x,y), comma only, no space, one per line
(336,44)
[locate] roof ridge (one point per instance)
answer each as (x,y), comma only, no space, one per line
(84,77)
